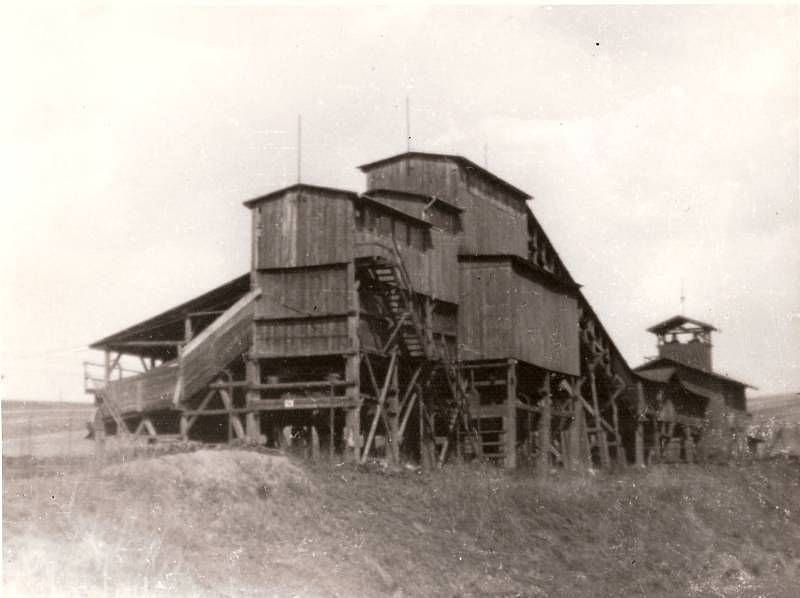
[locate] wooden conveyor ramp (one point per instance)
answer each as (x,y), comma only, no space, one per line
(167,386)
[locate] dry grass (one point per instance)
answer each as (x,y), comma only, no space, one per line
(240,523)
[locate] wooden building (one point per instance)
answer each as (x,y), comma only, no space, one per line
(688,410)
(426,317)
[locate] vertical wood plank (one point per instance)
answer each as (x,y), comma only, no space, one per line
(510,417)
(543,461)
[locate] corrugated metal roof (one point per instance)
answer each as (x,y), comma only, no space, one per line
(460,160)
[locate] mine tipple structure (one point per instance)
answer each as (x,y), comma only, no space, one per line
(427,317)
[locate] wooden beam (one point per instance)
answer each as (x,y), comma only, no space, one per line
(379,409)
(253,418)
(640,414)
(510,417)
(352,426)
(543,459)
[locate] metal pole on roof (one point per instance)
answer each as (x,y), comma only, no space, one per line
(486,155)
(683,298)
(299,145)
(408,126)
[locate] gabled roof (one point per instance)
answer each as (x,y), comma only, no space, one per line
(297,187)
(666,362)
(460,160)
(676,321)
(438,201)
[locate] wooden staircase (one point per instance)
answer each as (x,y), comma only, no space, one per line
(390,280)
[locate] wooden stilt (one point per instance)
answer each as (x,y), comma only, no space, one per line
(332,433)
(379,409)
(510,417)
(543,460)
(602,437)
(184,428)
(575,432)
(352,426)
(656,450)
(393,415)
(253,418)
(640,415)
(314,443)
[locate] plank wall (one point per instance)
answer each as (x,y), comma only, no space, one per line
(494,220)
(304,227)
(505,314)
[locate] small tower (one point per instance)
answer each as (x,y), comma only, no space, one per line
(685,340)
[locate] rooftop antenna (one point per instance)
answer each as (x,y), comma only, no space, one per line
(408,126)
(683,299)
(486,155)
(299,145)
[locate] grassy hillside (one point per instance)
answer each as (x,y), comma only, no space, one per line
(785,407)
(26,418)
(241,523)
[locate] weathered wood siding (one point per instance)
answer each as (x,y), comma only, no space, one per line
(301,337)
(433,272)
(307,292)
(418,175)
(545,326)
(503,314)
(484,319)
(151,391)
(494,221)
(302,312)
(303,228)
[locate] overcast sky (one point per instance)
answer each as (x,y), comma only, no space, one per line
(660,143)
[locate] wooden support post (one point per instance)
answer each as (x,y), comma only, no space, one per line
(655,452)
(685,453)
(640,414)
(107,368)
(575,432)
(99,430)
(510,417)
(352,427)
(184,427)
(393,415)
(545,404)
(253,418)
(602,437)
(187,329)
(390,372)
(331,431)
(619,450)
(314,443)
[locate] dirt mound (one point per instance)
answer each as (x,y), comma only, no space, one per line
(234,472)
